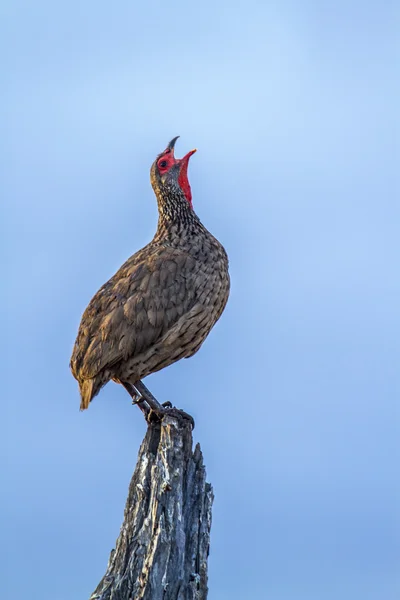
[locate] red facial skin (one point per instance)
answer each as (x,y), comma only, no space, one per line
(170,160)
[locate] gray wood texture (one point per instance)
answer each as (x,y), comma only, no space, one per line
(162,549)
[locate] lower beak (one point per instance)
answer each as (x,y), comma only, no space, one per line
(188,155)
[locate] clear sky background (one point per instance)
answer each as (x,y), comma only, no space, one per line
(291,106)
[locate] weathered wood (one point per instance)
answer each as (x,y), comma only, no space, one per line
(162,550)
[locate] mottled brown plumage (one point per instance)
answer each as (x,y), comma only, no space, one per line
(162,303)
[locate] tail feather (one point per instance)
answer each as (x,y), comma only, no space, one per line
(89,388)
(87,393)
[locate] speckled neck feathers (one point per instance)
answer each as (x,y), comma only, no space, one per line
(176,218)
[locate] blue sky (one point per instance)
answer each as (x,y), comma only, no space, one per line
(292,108)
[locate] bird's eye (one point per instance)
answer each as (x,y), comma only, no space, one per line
(162,164)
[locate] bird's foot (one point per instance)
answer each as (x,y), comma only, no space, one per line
(153,411)
(177,412)
(170,411)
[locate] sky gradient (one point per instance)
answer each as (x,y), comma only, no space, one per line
(295,393)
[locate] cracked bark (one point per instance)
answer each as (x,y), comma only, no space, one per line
(162,549)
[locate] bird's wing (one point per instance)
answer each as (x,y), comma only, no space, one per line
(135,308)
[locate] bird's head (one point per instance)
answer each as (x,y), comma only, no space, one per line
(169,174)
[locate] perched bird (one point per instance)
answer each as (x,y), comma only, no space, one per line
(162,303)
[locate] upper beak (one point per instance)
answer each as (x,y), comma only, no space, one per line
(171,145)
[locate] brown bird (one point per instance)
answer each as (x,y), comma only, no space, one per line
(162,303)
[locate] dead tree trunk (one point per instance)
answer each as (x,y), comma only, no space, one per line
(162,549)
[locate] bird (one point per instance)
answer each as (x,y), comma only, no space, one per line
(161,304)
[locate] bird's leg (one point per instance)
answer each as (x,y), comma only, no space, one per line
(137,398)
(159,410)
(149,405)
(145,393)
(134,394)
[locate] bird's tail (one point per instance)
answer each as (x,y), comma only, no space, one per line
(89,388)
(87,393)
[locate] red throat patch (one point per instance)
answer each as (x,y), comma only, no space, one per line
(167,160)
(184,183)
(183,177)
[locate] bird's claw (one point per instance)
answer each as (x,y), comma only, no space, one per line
(138,400)
(157,416)
(185,415)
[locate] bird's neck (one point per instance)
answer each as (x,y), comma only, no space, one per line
(176,217)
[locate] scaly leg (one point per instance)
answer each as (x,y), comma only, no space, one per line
(137,398)
(159,409)
(156,407)
(149,405)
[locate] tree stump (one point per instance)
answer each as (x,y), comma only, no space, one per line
(162,549)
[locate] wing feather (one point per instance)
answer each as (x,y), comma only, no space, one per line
(135,308)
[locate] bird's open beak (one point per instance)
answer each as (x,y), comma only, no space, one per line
(171,147)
